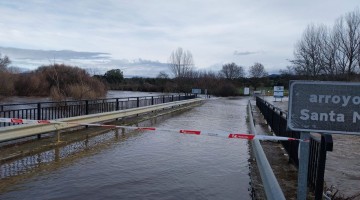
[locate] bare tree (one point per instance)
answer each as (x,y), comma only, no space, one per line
(181,63)
(208,80)
(193,74)
(347,31)
(4,62)
(257,71)
(163,75)
(330,44)
(232,71)
(288,71)
(308,52)
(258,75)
(6,78)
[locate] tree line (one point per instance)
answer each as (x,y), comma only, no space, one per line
(331,53)
(60,81)
(226,82)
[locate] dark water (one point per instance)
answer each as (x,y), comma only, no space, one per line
(156,165)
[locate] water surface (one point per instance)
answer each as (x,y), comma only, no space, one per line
(155,165)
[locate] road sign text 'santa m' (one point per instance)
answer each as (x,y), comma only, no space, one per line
(331,107)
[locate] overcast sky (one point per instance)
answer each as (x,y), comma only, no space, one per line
(138,36)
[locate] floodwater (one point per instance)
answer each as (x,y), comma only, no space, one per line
(342,168)
(152,164)
(110,94)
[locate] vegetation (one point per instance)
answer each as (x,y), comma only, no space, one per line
(215,83)
(114,76)
(6,80)
(61,81)
(232,71)
(181,63)
(58,81)
(257,74)
(329,53)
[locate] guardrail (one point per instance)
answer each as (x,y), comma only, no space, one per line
(319,145)
(26,130)
(270,183)
(65,109)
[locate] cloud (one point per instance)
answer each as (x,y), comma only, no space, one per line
(94,62)
(129,30)
(17,53)
(246,53)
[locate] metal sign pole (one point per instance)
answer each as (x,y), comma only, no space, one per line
(303,165)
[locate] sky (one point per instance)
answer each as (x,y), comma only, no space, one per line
(138,36)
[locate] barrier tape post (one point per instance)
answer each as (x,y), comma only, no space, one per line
(58,136)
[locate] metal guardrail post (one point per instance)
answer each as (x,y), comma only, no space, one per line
(38,114)
(117,104)
(86,107)
(152,100)
(271,185)
(137,102)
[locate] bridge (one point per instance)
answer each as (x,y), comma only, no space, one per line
(71,114)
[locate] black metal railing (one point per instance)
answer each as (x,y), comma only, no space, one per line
(319,145)
(317,161)
(64,109)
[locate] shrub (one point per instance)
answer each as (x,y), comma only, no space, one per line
(6,84)
(226,89)
(60,82)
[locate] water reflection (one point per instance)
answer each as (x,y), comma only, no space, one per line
(149,165)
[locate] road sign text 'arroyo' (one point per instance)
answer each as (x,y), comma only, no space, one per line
(332,107)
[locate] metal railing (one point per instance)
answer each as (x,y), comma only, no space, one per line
(271,186)
(319,145)
(65,109)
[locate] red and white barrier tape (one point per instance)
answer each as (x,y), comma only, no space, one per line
(184,131)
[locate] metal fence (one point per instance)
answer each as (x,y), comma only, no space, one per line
(319,145)
(64,109)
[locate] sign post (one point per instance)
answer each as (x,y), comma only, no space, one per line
(322,107)
(303,165)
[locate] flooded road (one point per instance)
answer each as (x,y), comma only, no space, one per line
(153,165)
